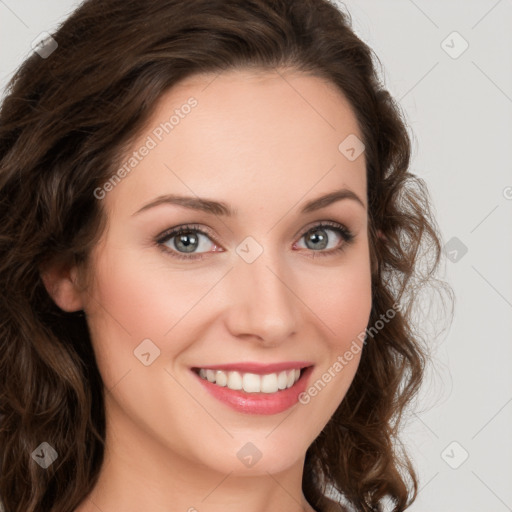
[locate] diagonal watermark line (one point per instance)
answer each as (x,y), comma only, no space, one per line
(492,81)
(503,407)
(217,486)
(484,218)
(426,426)
(218,216)
(3,3)
(485,15)
(282,487)
(425,485)
(199,300)
(300,299)
(504,298)
(119,380)
(199,403)
(298,201)
(277,71)
(419,81)
(212,80)
(94,503)
(491,491)
(424,13)
(279,423)
(108,313)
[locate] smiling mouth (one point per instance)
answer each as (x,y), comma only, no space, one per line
(251,382)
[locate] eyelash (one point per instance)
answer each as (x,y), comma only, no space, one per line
(345,234)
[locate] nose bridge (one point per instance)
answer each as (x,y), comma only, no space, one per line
(263,302)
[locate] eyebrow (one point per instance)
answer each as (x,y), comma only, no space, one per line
(221,208)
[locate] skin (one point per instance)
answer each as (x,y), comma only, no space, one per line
(264,143)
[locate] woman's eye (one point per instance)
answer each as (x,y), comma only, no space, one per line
(190,242)
(319,241)
(187,242)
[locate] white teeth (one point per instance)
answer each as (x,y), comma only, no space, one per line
(281,380)
(291,379)
(234,380)
(269,383)
(221,379)
(252,382)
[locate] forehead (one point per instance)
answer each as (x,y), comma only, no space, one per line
(275,133)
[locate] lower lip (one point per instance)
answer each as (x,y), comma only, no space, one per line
(259,403)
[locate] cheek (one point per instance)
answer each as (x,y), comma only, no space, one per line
(136,298)
(344,309)
(342,299)
(347,308)
(142,296)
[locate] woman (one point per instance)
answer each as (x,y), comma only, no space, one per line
(209,240)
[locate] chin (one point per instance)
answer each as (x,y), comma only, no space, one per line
(249,454)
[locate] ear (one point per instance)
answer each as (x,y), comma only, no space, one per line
(60,281)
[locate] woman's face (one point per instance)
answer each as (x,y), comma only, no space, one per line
(262,286)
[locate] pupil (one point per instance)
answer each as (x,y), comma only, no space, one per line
(188,246)
(319,235)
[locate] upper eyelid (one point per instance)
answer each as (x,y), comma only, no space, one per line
(207,231)
(165,235)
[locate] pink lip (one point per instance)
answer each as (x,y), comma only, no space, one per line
(258,403)
(258,368)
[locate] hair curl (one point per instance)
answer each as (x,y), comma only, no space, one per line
(65,122)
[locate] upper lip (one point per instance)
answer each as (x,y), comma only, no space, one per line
(258,368)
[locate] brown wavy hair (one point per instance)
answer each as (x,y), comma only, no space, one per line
(65,123)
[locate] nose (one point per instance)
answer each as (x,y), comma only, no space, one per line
(263,305)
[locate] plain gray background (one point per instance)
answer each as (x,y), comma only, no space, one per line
(458,106)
